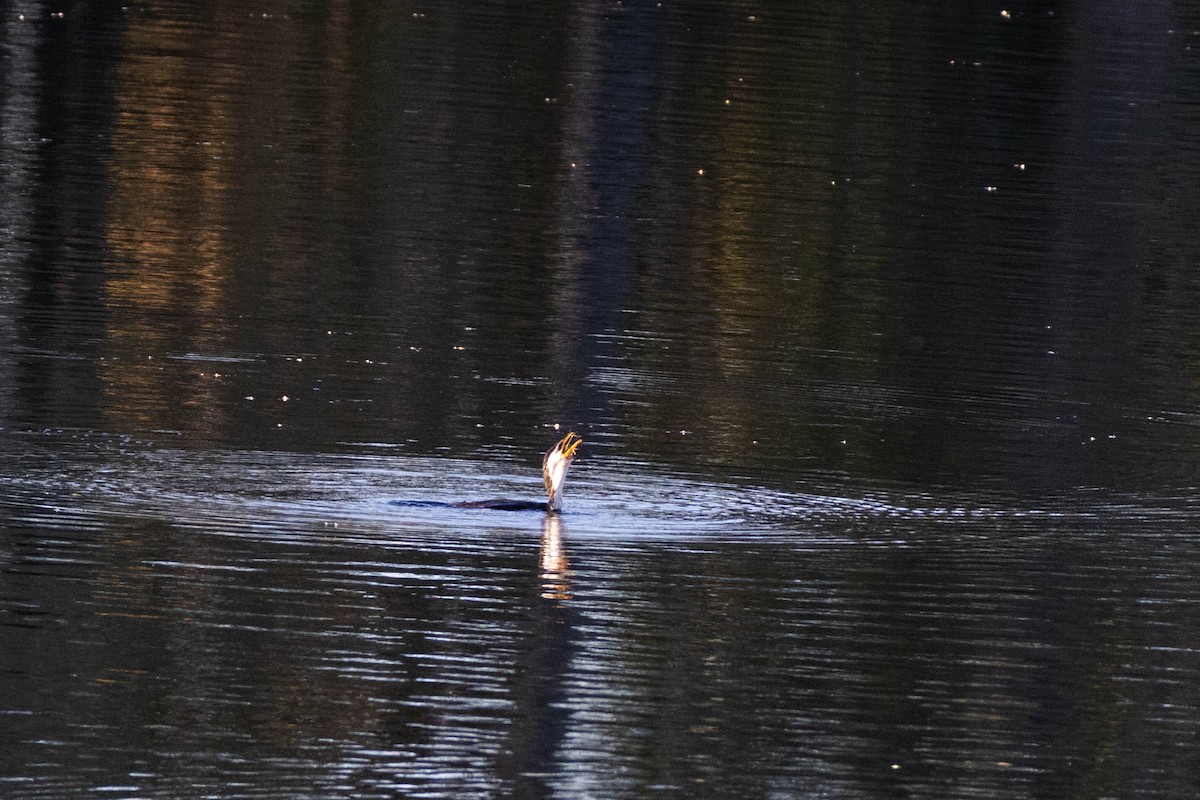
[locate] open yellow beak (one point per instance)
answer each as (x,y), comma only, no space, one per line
(570,444)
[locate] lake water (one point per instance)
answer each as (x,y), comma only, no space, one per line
(881,325)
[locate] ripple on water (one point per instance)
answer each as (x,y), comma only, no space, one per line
(388,498)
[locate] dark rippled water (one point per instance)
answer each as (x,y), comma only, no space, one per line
(880,325)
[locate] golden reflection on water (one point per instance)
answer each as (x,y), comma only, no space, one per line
(165,228)
(555,568)
(202,174)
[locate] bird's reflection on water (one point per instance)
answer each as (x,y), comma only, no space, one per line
(555,567)
(542,669)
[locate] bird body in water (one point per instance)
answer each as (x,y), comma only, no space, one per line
(555,465)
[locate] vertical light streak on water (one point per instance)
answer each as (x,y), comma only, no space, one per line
(19,142)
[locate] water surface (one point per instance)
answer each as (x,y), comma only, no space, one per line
(879,324)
